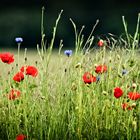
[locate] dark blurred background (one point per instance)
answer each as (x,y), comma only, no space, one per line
(23,18)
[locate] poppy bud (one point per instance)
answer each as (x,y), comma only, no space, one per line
(95,65)
(105,93)
(134,85)
(118,57)
(78,65)
(133,105)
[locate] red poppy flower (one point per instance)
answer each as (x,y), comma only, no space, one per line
(126,106)
(23,68)
(20,137)
(88,78)
(129,108)
(101,68)
(100,43)
(18,77)
(30,70)
(7,57)
(14,94)
(133,95)
(118,92)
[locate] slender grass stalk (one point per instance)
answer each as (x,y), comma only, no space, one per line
(19,44)
(25,55)
(90,37)
(126,31)
(60,47)
(78,37)
(53,38)
(136,35)
(42,22)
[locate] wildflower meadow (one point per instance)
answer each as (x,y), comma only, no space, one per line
(90,92)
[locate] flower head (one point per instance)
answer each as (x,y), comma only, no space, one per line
(100,43)
(30,70)
(101,69)
(88,78)
(124,72)
(21,137)
(18,39)
(18,77)
(133,95)
(126,106)
(98,78)
(118,92)
(7,57)
(68,52)
(13,94)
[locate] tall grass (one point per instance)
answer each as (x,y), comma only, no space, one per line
(58,105)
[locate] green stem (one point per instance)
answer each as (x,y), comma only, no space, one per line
(18,53)
(126,31)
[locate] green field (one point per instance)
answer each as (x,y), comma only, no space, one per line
(54,102)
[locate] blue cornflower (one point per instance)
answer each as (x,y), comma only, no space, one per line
(124,72)
(68,52)
(98,78)
(18,39)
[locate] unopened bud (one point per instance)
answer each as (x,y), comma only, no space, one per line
(134,85)
(105,93)
(25,59)
(73,87)
(78,65)
(110,59)
(118,57)
(95,65)
(134,105)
